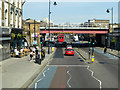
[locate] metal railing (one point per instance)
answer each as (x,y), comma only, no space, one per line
(74,28)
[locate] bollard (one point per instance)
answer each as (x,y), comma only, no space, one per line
(92,58)
(52,48)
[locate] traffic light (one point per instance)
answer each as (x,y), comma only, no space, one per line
(89,42)
(93,43)
(41,40)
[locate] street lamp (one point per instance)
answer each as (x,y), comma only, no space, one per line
(108,11)
(34,34)
(29,34)
(49,26)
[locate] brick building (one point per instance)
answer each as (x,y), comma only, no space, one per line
(28,25)
(10,22)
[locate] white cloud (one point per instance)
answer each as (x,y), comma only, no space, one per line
(74,0)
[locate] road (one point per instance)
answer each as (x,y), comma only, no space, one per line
(66,72)
(74,72)
(105,68)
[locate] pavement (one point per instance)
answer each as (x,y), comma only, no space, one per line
(20,72)
(110,51)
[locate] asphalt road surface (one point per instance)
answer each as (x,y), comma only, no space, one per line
(105,68)
(66,72)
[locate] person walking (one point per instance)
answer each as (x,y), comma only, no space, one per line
(31,54)
(33,49)
(37,59)
(105,50)
(36,53)
(43,54)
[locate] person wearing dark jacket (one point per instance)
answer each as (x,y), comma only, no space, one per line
(105,49)
(43,54)
(36,53)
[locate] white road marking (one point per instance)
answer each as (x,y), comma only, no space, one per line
(92,72)
(69,65)
(44,73)
(69,79)
(95,77)
(81,57)
(41,78)
(35,85)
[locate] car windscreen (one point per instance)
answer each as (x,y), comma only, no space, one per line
(69,46)
(70,50)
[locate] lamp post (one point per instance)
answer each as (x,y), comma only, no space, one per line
(29,35)
(49,26)
(108,11)
(34,33)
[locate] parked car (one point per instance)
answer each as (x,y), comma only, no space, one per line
(69,51)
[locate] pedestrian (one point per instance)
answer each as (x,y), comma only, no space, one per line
(105,49)
(17,53)
(36,53)
(37,57)
(33,49)
(12,50)
(42,54)
(31,54)
(21,50)
(15,49)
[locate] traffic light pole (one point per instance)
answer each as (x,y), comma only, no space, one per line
(93,50)
(93,45)
(89,46)
(41,46)
(89,50)
(41,50)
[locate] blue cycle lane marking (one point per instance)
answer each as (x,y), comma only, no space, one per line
(107,55)
(44,80)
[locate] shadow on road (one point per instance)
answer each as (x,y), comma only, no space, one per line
(58,53)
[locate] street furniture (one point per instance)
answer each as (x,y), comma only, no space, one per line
(25,52)
(92,58)
(12,54)
(52,48)
(20,54)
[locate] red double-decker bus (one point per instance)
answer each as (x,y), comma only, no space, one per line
(61,37)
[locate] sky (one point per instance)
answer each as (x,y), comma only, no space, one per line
(73,11)
(74,0)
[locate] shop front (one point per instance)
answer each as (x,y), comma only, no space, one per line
(4,43)
(115,39)
(17,38)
